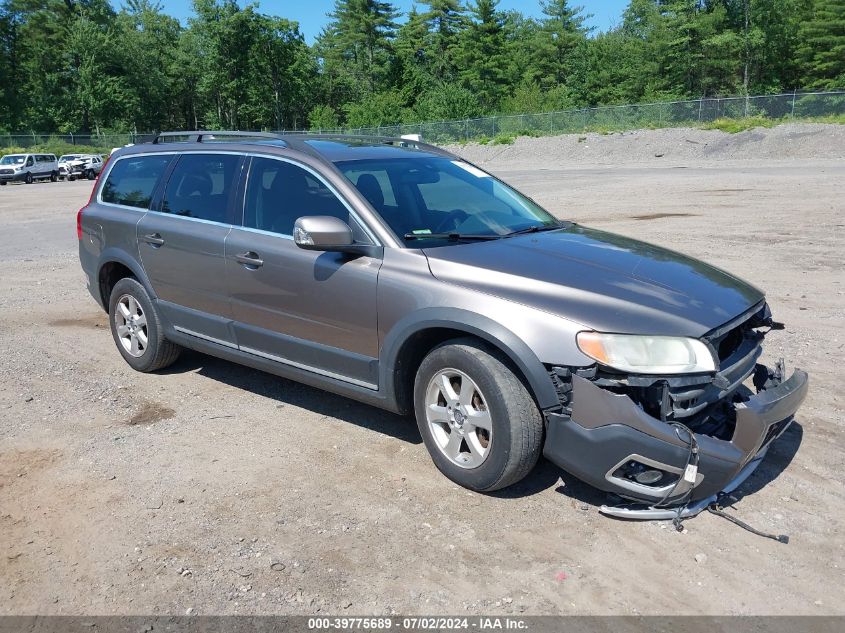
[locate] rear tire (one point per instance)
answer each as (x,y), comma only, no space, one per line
(137,330)
(479,423)
(54,177)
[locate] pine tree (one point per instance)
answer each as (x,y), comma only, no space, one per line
(561,34)
(821,46)
(360,37)
(481,54)
(445,19)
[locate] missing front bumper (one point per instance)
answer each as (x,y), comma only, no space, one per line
(606,429)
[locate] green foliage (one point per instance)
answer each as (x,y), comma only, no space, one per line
(381,108)
(56,147)
(323,117)
(822,44)
(83,66)
(502,139)
(734,126)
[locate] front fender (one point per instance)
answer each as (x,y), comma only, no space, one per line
(472,324)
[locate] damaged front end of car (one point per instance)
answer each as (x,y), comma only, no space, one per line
(671,444)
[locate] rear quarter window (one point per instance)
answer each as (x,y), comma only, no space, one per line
(132,180)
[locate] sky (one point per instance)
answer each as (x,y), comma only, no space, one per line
(311,14)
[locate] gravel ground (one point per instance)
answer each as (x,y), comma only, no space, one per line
(220,489)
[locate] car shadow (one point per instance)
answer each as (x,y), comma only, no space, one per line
(544,476)
(289,392)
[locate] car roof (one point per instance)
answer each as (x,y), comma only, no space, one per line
(324,147)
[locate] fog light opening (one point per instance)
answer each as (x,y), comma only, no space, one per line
(649,477)
(644,474)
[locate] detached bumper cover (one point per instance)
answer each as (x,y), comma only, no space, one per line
(606,430)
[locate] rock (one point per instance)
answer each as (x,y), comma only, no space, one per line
(701,558)
(189,611)
(245,588)
(29,399)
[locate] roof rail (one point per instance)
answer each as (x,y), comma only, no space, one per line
(200,136)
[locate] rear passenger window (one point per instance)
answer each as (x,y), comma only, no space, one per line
(278,193)
(131,181)
(200,186)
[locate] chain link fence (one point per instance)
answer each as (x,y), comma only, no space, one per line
(624,117)
(797,105)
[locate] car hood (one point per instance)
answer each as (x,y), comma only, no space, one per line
(603,281)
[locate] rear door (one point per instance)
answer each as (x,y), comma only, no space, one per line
(308,309)
(181,242)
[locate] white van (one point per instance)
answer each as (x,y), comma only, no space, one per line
(28,168)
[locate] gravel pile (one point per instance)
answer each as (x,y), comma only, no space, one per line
(675,145)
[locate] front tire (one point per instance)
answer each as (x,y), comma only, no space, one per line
(137,330)
(28,179)
(479,423)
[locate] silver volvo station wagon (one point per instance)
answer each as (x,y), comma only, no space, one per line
(395,273)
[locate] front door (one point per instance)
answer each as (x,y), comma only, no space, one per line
(181,244)
(312,310)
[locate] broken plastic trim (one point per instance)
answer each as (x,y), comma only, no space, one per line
(641,512)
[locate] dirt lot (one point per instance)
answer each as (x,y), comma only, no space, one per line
(225,490)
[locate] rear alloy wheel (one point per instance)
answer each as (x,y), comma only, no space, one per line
(28,179)
(479,423)
(137,330)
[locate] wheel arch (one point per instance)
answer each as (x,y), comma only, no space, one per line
(410,340)
(115,265)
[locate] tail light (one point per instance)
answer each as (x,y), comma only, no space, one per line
(79,223)
(90,199)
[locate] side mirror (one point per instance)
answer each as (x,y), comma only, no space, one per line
(323,233)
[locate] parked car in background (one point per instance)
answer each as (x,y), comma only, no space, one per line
(64,159)
(28,168)
(86,166)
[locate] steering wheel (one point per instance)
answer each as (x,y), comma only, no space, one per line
(454,217)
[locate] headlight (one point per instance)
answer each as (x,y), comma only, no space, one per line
(647,354)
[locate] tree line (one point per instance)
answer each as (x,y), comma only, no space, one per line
(82,66)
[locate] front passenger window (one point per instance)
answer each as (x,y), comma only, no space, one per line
(278,193)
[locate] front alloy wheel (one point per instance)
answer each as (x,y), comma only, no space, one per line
(458,418)
(478,420)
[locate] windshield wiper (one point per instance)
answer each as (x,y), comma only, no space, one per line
(535,229)
(450,236)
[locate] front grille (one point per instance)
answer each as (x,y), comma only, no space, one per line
(7,172)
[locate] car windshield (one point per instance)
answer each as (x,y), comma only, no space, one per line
(433,201)
(13,159)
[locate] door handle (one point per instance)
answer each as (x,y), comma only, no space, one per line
(250,259)
(155,240)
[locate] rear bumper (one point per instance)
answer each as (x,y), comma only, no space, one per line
(606,431)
